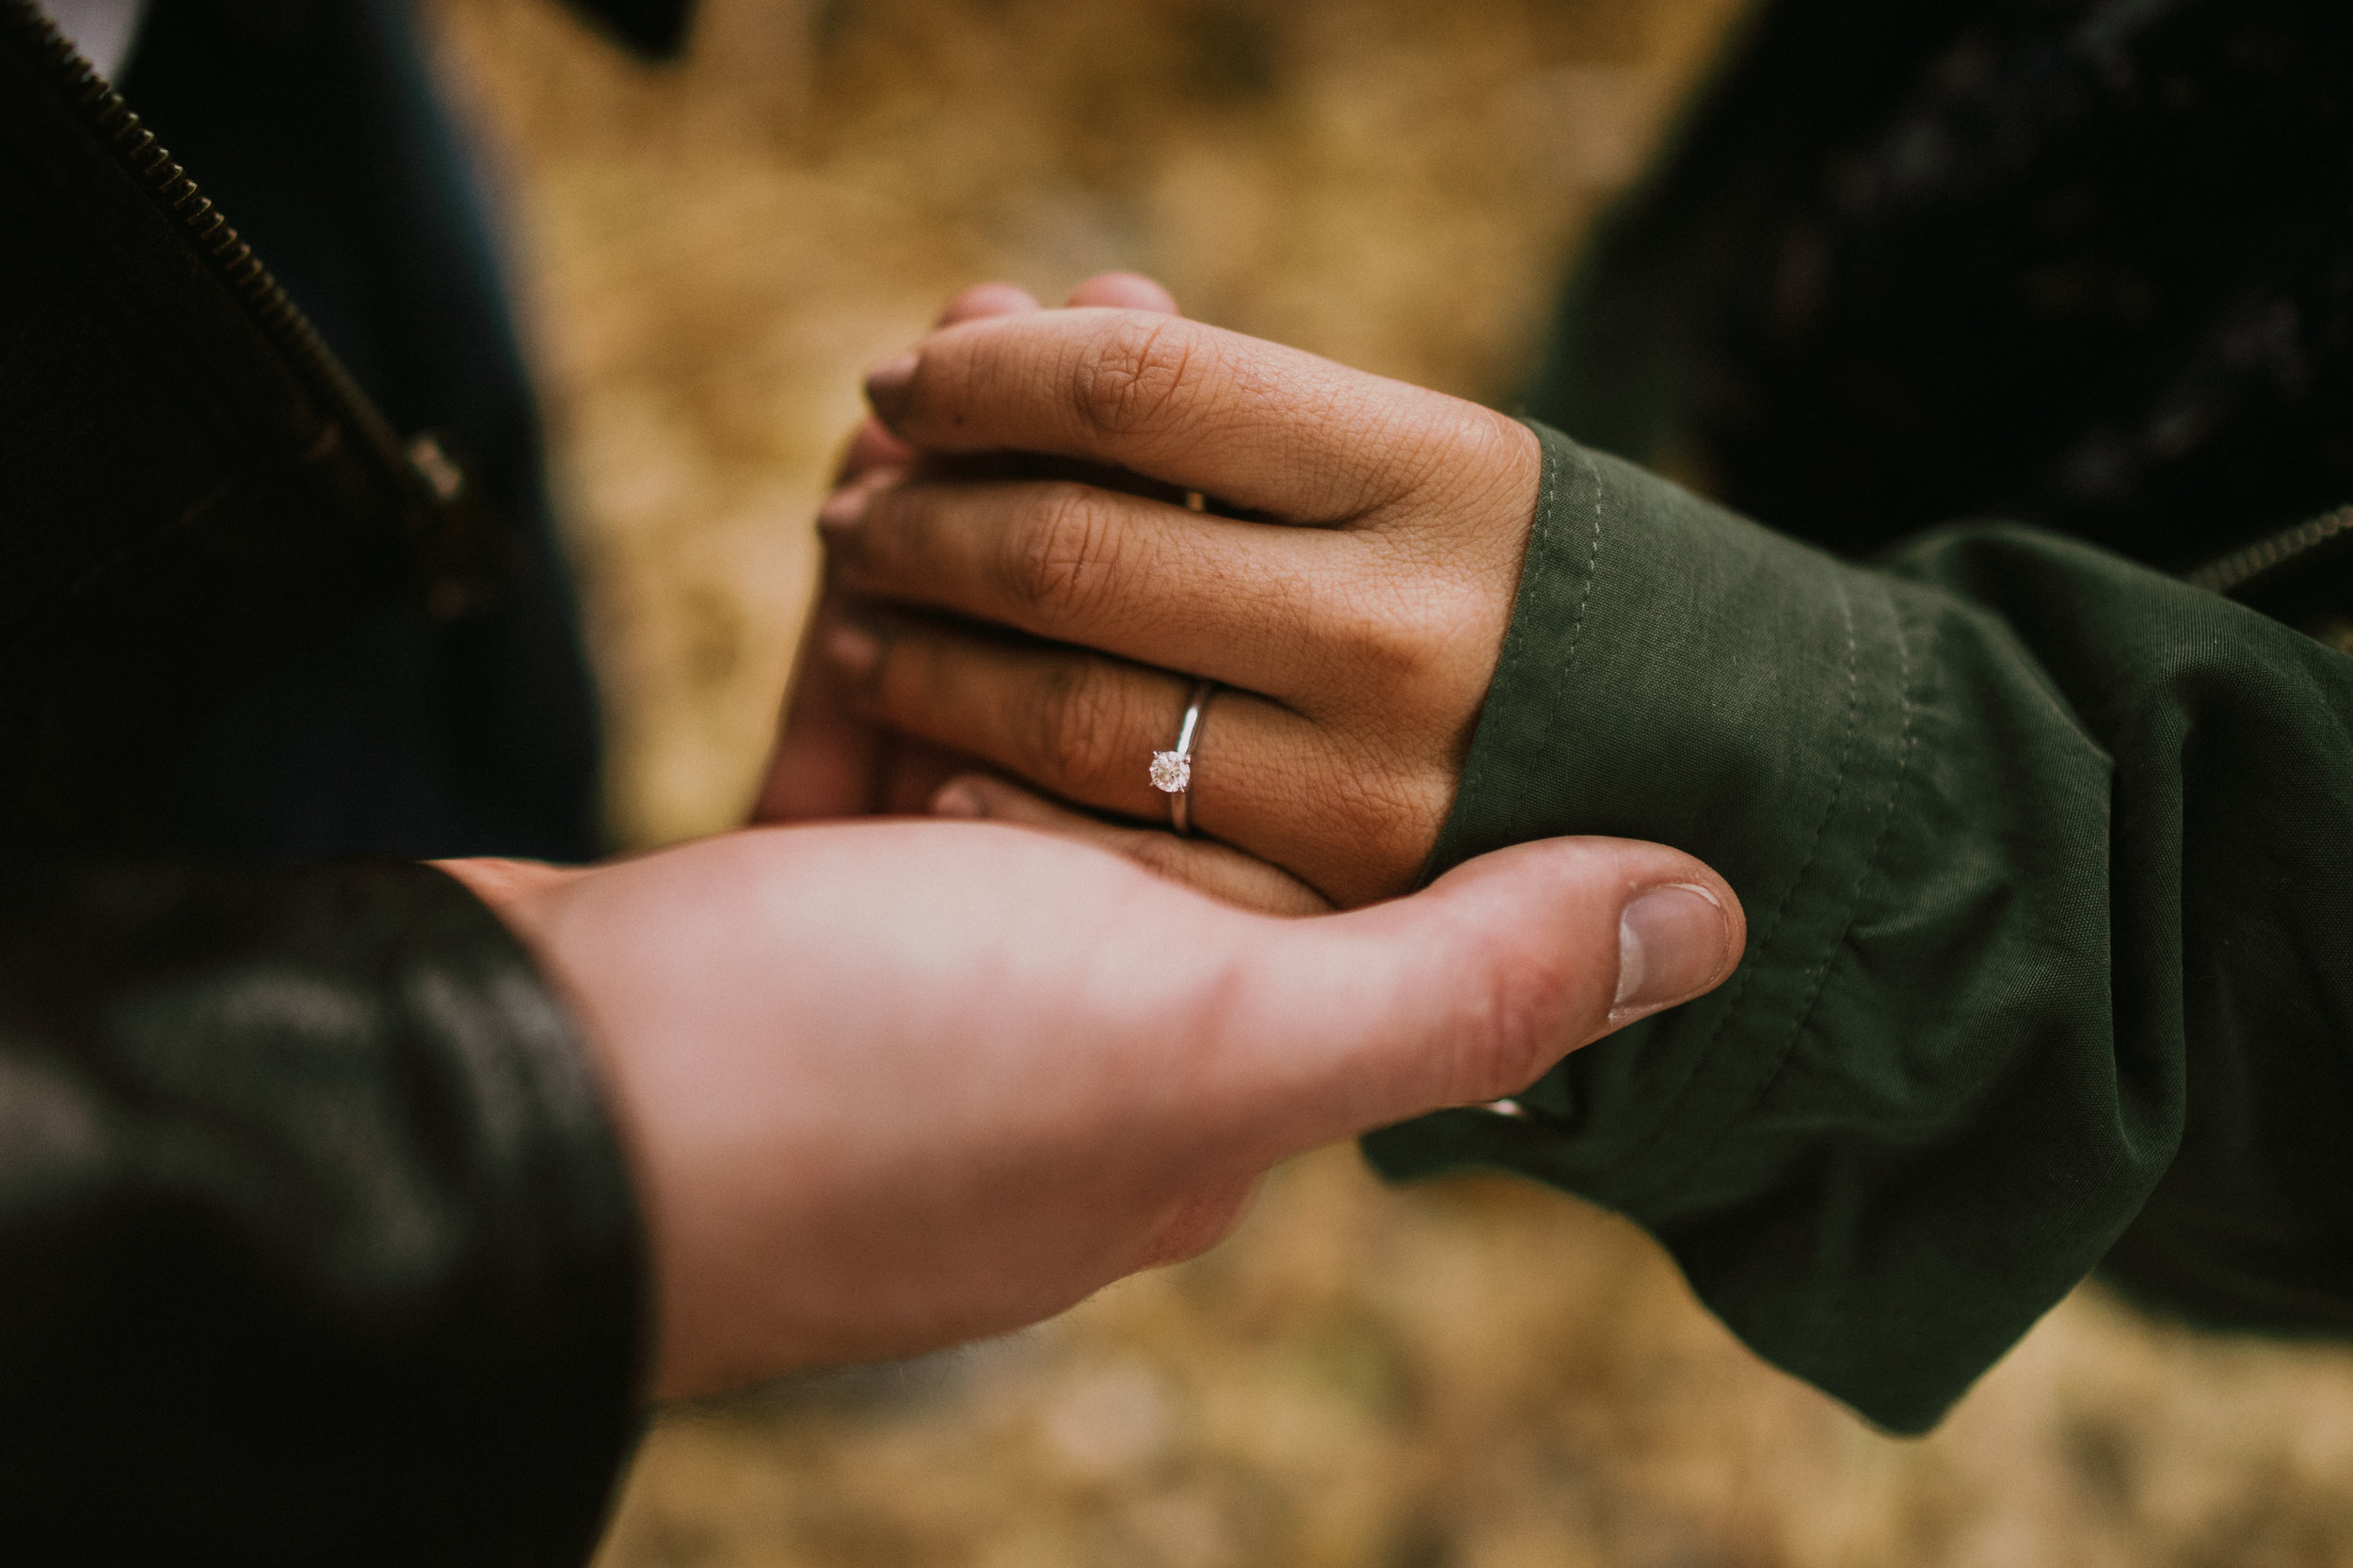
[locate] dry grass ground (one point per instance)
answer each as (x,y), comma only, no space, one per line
(1474,1375)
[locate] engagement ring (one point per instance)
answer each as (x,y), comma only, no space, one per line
(1172,771)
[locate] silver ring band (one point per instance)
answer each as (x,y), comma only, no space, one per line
(1172,771)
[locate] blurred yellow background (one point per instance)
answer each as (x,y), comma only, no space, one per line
(1470,1375)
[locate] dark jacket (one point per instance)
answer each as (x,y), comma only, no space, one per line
(2037,842)
(2045,850)
(315,1243)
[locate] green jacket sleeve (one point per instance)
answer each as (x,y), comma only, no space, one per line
(2047,861)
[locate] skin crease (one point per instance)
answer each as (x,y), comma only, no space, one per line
(1354,621)
(1001,1068)
(994,1070)
(834,759)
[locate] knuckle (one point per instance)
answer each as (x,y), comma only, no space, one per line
(1389,635)
(876,550)
(1518,1023)
(1139,376)
(1383,652)
(1058,561)
(1066,725)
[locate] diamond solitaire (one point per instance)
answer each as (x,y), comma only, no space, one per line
(1170,771)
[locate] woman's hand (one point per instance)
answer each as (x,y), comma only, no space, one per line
(1351,604)
(888,1086)
(832,760)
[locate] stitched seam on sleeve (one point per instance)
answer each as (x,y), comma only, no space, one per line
(1705,1057)
(1871,867)
(1592,560)
(1515,651)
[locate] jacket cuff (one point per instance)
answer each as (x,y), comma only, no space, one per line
(1677,674)
(341,1262)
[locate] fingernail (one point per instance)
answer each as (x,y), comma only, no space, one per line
(854,651)
(886,385)
(1671,944)
(958,800)
(843,509)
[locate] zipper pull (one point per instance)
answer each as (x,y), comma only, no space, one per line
(462,548)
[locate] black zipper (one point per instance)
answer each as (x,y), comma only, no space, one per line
(456,546)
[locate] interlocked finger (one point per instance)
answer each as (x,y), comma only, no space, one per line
(1084,727)
(1235,602)
(1218,869)
(1269,428)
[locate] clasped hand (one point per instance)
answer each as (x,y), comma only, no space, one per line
(889,1085)
(1351,608)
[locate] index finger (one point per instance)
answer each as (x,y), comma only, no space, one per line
(1266,428)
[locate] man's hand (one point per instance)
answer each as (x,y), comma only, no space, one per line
(890,1086)
(1352,604)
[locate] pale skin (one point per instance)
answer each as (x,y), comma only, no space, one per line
(890,1086)
(1352,610)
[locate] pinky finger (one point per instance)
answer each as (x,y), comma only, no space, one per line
(872,448)
(1126,290)
(1218,869)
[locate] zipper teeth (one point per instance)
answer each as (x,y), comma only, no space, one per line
(2242,567)
(146,159)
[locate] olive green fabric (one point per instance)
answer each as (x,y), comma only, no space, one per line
(2047,861)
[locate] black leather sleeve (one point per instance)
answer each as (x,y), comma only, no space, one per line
(315,1243)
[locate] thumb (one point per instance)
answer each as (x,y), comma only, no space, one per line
(1469,990)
